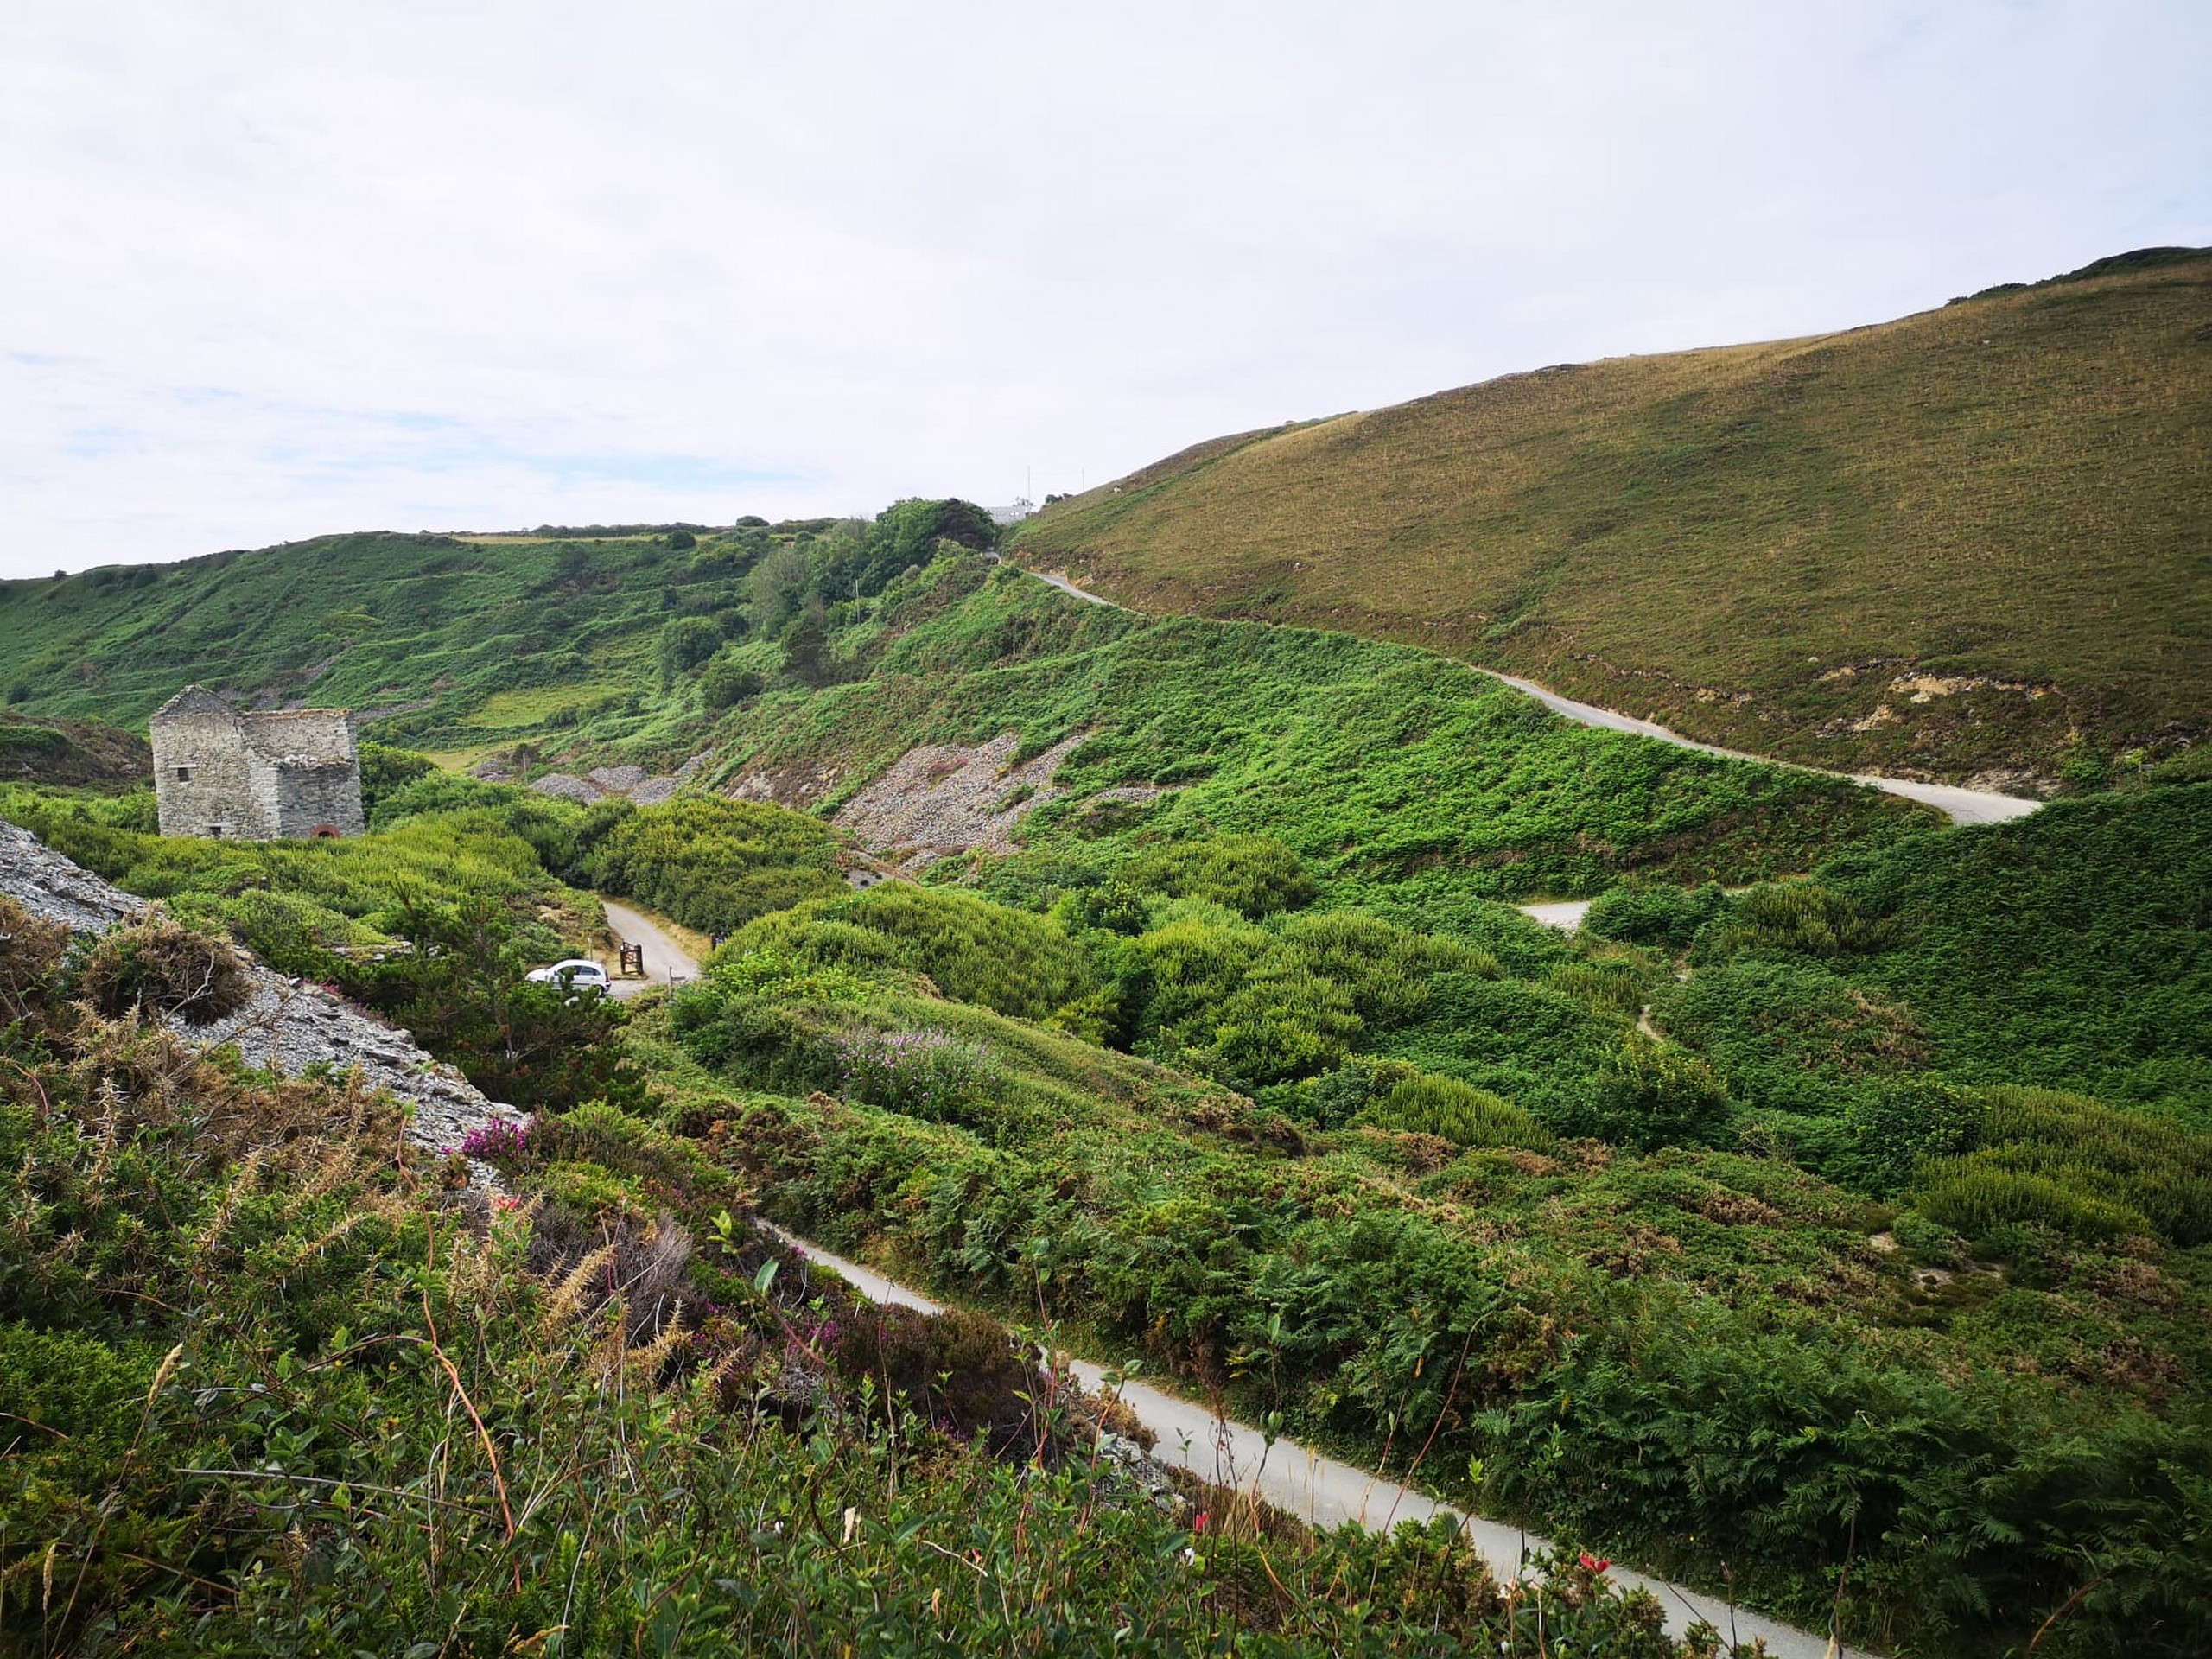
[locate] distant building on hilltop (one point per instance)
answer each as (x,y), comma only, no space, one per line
(1014,514)
(255,776)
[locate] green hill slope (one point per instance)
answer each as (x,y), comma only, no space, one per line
(1970,542)
(368,620)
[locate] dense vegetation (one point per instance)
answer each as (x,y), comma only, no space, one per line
(1952,1334)
(1969,540)
(1831,1219)
(1790,1285)
(1405,782)
(268,1390)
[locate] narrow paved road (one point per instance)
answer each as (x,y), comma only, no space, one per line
(1327,1493)
(1074,592)
(1565,914)
(666,961)
(1961,805)
(1316,1489)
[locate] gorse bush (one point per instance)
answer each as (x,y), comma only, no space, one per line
(1612,987)
(971,949)
(157,966)
(1254,875)
(1454,1111)
(2071,1163)
(1977,1199)
(1651,1095)
(31,950)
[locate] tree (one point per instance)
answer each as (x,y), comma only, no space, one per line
(724,685)
(462,992)
(685,642)
(778,587)
(806,646)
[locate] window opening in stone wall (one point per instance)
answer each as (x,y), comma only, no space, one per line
(184,774)
(216,831)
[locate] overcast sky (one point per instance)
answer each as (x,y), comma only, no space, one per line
(275,269)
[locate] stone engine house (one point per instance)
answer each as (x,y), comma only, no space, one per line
(258,775)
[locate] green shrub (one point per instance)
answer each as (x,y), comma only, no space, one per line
(1113,906)
(1335,1098)
(1803,917)
(385,770)
(1893,1129)
(1665,918)
(724,685)
(685,642)
(972,950)
(2070,1163)
(1385,969)
(716,864)
(1464,1116)
(1649,1094)
(1792,1034)
(1977,1199)
(1615,988)
(1226,998)
(1283,1020)
(1254,875)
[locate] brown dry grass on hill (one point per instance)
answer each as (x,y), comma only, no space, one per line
(1974,541)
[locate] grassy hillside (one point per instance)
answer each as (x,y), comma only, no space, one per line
(1971,542)
(1402,777)
(472,639)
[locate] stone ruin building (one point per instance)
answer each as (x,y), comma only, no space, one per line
(258,775)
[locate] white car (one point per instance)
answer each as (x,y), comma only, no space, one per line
(576,973)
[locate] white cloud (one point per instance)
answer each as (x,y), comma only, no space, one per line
(278,270)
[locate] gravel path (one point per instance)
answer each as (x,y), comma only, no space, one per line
(1961,805)
(667,963)
(1565,914)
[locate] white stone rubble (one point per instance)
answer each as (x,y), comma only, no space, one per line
(290,1025)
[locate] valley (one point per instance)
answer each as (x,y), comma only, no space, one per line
(1370,1040)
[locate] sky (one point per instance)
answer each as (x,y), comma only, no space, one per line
(272,271)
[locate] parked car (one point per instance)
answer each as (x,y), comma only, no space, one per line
(576,973)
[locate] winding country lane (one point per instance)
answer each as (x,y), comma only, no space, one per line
(1300,1482)
(1961,805)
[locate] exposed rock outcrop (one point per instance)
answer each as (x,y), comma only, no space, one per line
(288,1024)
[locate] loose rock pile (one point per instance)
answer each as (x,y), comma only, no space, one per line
(631,783)
(946,798)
